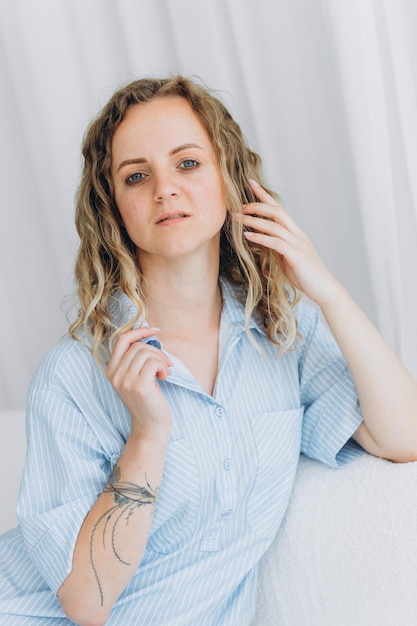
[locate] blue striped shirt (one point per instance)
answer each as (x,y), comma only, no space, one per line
(229,471)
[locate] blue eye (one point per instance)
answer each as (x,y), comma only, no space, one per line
(135,178)
(189,163)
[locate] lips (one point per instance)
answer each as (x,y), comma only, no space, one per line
(167,217)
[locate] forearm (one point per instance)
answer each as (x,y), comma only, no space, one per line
(114,535)
(387,392)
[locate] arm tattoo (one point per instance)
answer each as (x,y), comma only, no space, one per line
(127,497)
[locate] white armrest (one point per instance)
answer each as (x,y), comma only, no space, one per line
(346,554)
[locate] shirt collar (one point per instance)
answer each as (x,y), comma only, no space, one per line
(234,307)
(122,309)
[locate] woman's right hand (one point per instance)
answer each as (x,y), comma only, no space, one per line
(100,571)
(133,369)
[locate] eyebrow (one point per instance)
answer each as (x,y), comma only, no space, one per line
(184,146)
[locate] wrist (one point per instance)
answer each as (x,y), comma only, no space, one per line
(147,443)
(332,295)
(143,456)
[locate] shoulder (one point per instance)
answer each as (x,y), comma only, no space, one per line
(308,316)
(316,343)
(67,360)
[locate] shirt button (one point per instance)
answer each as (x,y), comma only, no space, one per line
(227,513)
(227,464)
(219,411)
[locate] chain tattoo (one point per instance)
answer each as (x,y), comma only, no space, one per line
(128,497)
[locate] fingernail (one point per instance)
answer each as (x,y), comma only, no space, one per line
(254,182)
(248,233)
(154,328)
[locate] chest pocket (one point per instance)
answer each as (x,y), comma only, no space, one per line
(176,512)
(277,438)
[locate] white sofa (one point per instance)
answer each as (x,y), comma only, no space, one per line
(346,554)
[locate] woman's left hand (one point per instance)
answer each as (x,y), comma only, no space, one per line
(387,392)
(272,227)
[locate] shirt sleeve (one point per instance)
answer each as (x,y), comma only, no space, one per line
(328,395)
(65,471)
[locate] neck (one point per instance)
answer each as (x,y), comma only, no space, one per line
(182,294)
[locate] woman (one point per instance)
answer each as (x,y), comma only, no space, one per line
(164,431)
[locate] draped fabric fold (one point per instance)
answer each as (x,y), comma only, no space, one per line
(375,48)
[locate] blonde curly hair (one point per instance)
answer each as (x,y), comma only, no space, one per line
(107,261)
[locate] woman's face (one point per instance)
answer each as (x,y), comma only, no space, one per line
(168,187)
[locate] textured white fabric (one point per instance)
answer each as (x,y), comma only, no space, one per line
(346,553)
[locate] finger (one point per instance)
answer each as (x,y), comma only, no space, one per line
(272,212)
(128,344)
(152,369)
(148,362)
(268,227)
(282,247)
(128,371)
(126,339)
(260,192)
(137,354)
(131,337)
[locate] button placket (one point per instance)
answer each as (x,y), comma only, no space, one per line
(226,479)
(227,464)
(219,411)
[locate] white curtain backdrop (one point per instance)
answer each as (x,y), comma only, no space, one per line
(375,48)
(324,90)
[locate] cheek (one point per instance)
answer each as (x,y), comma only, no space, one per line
(121,205)
(131,223)
(216,193)
(130,208)
(222,205)
(221,194)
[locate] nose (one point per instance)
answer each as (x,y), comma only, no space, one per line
(165,186)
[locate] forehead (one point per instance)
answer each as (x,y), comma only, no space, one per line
(162,122)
